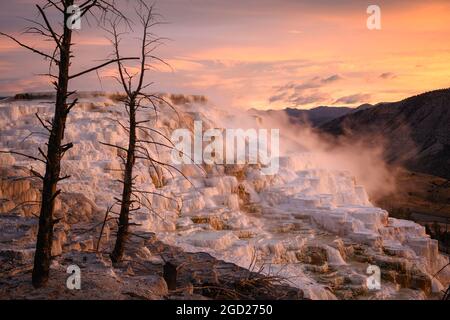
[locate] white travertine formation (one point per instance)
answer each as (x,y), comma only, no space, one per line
(315,226)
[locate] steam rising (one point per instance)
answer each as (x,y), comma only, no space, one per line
(362,156)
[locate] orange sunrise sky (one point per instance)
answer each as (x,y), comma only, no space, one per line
(262,54)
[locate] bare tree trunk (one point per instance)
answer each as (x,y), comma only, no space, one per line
(122,233)
(55,147)
(170,272)
(136,100)
(42,258)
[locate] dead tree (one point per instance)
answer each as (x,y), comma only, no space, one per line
(136,101)
(446,295)
(60,33)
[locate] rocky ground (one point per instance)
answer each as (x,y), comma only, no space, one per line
(200,276)
(139,276)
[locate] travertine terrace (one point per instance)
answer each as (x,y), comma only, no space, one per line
(314,226)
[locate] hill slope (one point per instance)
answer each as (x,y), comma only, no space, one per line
(416,131)
(315,117)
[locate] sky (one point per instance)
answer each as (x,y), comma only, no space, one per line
(265,54)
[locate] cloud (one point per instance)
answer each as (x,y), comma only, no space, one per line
(388,75)
(312,83)
(17,85)
(218,49)
(354,98)
(332,78)
(305,93)
(315,97)
(276,98)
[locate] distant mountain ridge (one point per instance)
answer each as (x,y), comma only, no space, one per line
(416,130)
(316,116)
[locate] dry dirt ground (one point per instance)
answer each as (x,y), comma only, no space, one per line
(424,199)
